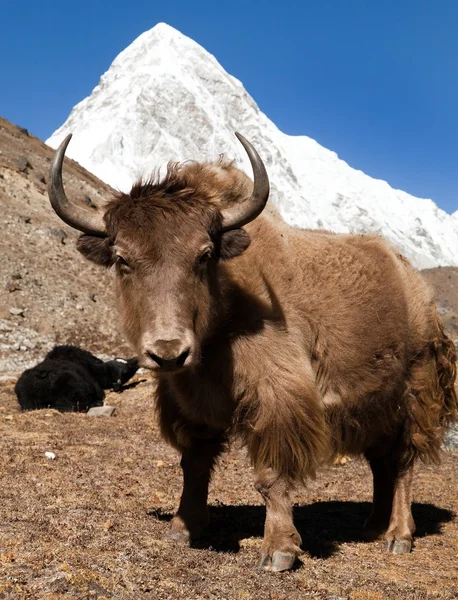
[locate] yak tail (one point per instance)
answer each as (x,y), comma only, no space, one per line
(431,397)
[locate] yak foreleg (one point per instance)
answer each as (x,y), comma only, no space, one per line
(197,463)
(281,544)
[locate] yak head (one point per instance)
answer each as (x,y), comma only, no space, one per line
(166,240)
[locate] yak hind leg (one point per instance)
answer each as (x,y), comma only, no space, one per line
(401,528)
(281,544)
(391,516)
(197,463)
(383,493)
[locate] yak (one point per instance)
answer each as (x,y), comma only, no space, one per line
(71,379)
(304,344)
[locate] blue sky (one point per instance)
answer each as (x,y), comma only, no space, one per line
(375,81)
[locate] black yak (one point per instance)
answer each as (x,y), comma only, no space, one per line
(71,379)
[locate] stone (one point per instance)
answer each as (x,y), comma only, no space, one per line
(60,233)
(101,411)
(17,311)
(23,164)
(12,286)
(451,437)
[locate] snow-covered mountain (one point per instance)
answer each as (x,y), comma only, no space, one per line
(166,98)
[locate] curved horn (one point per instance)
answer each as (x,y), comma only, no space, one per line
(240,214)
(89,222)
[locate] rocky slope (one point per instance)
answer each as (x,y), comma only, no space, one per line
(48,292)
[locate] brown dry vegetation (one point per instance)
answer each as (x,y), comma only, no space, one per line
(90,524)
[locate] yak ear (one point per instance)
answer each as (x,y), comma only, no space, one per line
(233,243)
(96,249)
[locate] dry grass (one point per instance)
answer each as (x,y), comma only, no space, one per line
(90,524)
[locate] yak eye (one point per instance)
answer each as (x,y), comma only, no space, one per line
(122,263)
(205,256)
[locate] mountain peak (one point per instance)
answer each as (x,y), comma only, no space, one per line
(166,98)
(161,34)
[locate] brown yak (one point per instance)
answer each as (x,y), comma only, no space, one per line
(305,344)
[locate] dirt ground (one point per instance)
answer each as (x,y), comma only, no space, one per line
(90,523)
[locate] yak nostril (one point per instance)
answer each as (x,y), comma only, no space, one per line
(181,359)
(157,359)
(169,361)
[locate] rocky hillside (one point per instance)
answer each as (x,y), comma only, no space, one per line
(445,283)
(48,293)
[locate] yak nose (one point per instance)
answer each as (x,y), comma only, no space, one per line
(169,354)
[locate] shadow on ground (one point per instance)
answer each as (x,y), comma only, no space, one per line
(322,525)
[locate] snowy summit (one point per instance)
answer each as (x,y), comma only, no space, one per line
(166,98)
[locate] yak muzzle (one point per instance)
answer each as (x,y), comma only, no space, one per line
(167,355)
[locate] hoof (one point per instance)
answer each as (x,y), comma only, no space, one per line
(282,561)
(278,562)
(399,546)
(177,536)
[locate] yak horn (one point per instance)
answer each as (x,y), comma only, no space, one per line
(89,222)
(240,214)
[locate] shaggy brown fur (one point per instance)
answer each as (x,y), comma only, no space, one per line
(307,344)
